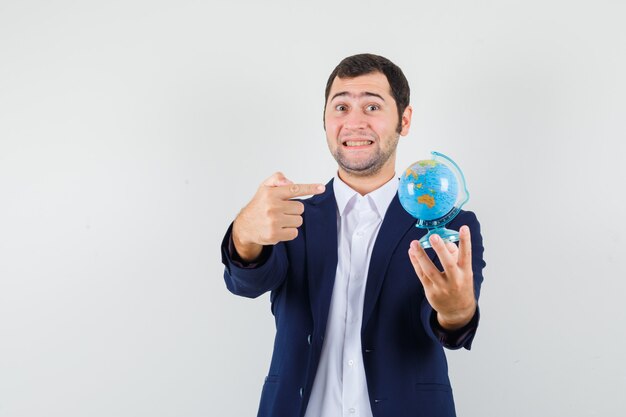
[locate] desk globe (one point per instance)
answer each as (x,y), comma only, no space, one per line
(433,191)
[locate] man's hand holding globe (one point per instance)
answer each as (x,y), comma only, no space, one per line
(450,292)
(433,191)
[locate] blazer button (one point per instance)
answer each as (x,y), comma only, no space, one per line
(301,392)
(308,339)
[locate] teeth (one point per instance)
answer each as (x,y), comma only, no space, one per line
(358,143)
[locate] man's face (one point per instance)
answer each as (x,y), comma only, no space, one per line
(361,121)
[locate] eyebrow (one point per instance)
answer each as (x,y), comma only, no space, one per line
(363,94)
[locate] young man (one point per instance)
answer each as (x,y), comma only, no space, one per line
(362,311)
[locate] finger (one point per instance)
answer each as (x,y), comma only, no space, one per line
(299,190)
(448,261)
(291,220)
(416,265)
(465,247)
(428,269)
(453,249)
(277,179)
(288,233)
(292,207)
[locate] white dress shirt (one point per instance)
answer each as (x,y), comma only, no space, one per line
(340,387)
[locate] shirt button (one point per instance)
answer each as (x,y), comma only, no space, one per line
(352,411)
(359,233)
(350,362)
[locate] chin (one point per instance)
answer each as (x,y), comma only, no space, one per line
(367,171)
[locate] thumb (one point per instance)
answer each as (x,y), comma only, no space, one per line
(277,179)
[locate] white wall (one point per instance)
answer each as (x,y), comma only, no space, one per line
(132,132)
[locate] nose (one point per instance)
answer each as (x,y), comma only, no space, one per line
(355,120)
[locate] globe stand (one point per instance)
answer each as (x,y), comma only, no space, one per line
(433,192)
(446,235)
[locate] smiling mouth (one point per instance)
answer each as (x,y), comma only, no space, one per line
(356,143)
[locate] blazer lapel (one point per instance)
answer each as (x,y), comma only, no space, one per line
(321,253)
(396,224)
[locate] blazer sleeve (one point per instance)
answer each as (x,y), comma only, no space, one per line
(461,338)
(254,280)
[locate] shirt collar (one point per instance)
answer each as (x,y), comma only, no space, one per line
(381,197)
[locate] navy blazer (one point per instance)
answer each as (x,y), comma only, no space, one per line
(404,360)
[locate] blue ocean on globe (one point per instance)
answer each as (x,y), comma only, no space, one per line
(428,190)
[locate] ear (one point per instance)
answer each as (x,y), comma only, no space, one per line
(406,120)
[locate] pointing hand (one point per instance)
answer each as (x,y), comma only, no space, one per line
(271,216)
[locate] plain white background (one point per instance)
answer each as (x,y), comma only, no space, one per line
(132,132)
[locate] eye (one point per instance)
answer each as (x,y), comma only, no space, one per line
(372,107)
(341,107)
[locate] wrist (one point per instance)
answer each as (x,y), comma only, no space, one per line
(457,319)
(247,251)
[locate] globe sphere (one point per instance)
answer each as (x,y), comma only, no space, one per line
(428,190)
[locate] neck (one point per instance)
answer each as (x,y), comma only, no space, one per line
(366,184)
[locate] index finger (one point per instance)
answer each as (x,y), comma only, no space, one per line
(446,257)
(429,270)
(286,192)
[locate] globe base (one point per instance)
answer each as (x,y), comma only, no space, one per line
(446,235)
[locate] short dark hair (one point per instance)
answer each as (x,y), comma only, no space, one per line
(362,64)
